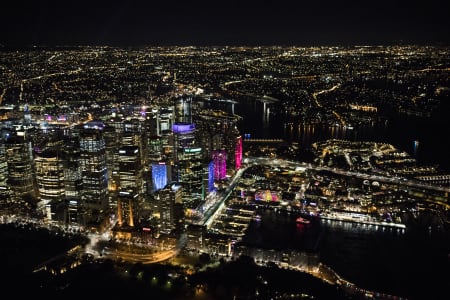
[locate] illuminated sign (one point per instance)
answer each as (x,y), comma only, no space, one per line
(192,150)
(183,128)
(267,196)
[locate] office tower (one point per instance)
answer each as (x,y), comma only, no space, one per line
(150,122)
(20,164)
(155,149)
(168,144)
(183,109)
(208,178)
(169,198)
(160,176)
(50,182)
(73,182)
(112,144)
(164,120)
(4,190)
(135,135)
(94,204)
(159,158)
(217,130)
(188,164)
(130,186)
(150,144)
(220,164)
(238,153)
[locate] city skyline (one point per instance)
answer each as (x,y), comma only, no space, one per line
(135,23)
(315,172)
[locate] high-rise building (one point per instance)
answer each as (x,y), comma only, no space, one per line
(217,130)
(183,109)
(49,168)
(131,185)
(209,177)
(238,153)
(188,164)
(155,149)
(132,133)
(159,175)
(168,199)
(160,162)
(4,190)
(20,162)
(94,204)
(164,120)
(112,138)
(73,182)
(220,164)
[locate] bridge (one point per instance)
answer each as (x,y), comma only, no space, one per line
(267,99)
(434,178)
(228,101)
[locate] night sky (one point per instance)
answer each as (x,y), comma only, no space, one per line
(282,22)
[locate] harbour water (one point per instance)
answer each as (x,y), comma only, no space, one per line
(409,263)
(424,139)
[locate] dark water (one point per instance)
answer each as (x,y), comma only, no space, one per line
(412,264)
(402,131)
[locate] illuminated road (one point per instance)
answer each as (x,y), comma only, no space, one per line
(318,104)
(219,201)
(149,258)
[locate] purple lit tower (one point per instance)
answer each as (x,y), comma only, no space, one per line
(188,164)
(220,164)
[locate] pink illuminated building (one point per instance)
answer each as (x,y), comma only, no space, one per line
(238,153)
(220,164)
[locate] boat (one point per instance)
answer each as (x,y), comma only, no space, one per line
(257,218)
(301,220)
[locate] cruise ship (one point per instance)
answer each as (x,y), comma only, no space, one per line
(356,217)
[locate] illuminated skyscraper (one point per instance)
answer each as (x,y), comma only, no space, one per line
(183,109)
(4,190)
(210,177)
(164,120)
(159,157)
(220,164)
(155,149)
(50,181)
(188,163)
(131,185)
(20,161)
(133,135)
(94,202)
(159,175)
(112,138)
(168,199)
(238,153)
(217,130)
(73,182)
